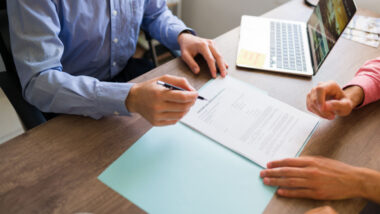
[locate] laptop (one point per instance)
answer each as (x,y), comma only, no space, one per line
(293,47)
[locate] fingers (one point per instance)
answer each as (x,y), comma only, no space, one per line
(322,210)
(170,114)
(192,45)
(284,172)
(286,182)
(222,65)
(316,99)
(166,116)
(159,105)
(296,193)
(186,56)
(177,81)
(314,108)
(321,97)
(176,107)
(331,89)
(207,55)
(290,162)
(177,96)
(164,122)
(327,90)
(341,108)
(180,96)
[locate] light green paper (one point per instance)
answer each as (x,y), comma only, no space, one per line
(177,170)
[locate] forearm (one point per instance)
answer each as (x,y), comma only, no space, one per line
(59,92)
(355,94)
(370,188)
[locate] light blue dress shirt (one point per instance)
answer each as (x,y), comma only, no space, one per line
(65,51)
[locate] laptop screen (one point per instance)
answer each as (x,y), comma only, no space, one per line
(326,24)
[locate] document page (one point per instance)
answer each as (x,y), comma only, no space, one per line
(250,122)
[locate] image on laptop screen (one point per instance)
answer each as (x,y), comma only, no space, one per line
(326,24)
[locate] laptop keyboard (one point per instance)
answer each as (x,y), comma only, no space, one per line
(286,47)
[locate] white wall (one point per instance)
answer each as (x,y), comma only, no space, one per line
(211,18)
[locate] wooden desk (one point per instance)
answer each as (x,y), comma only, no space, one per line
(54,167)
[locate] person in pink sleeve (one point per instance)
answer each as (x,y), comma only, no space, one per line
(328,99)
(323,178)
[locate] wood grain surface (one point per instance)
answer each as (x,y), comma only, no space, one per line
(54,167)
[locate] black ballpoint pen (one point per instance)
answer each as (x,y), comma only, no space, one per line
(172,87)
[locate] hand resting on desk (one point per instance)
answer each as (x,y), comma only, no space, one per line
(315,177)
(323,178)
(192,45)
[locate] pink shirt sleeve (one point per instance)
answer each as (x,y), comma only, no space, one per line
(368,78)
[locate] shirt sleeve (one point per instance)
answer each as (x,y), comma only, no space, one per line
(368,78)
(159,21)
(37,51)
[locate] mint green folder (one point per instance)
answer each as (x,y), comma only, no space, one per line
(177,170)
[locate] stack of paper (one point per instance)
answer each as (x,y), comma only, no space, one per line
(364,30)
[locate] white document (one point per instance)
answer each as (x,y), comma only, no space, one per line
(250,122)
(10,124)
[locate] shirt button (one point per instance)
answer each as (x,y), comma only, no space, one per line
(114,64)
(114,12)
(115,40)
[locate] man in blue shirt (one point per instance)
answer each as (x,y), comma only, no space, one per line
(66,53)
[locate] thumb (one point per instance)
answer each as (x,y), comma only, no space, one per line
(178,81)
(339,107)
